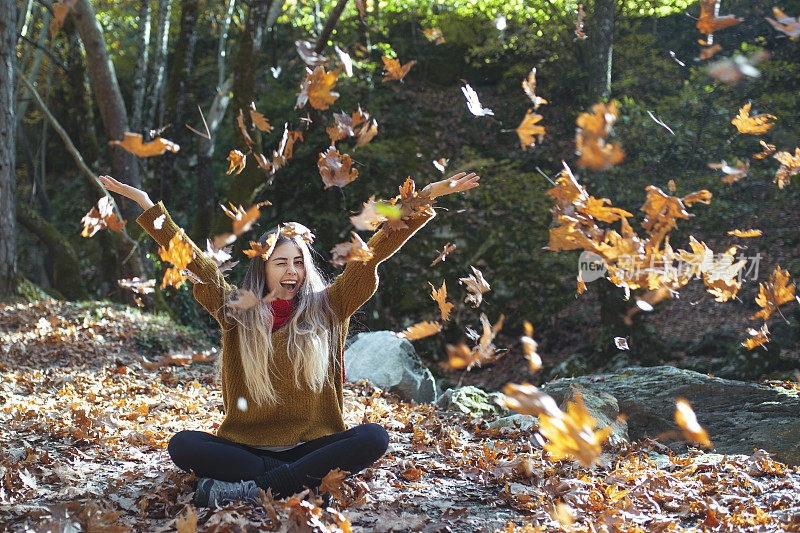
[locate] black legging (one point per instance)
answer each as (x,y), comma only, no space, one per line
(211,456)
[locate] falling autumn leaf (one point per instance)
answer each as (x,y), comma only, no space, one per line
(353,250)
(361,5)
(100,217)
(243,129)
(443,254)
(790,165)
(295,229)
(476,285)
(590,137)
(420,330)
(172,278)
(732,173)
(708,22)
(757,337)
(335,169)
(259,120)
(473,104)
(317,88)
(369,218)
(572,434)
(774,293)
(178,251)
(768,150)
(528,130)
(784,23)
(263,250)
(529,86)
(530,347)
(755,125)
(745,233)
(687,421)
(241,301)
(441,164)
(138,285)
(434,35)
(708,52)
(132,142)
(367,132)
(393,69)
(440,297)
(238,161)
(243,219)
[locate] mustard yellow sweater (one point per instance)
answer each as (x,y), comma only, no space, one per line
(303,415)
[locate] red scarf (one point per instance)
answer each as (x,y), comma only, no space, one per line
(282,311)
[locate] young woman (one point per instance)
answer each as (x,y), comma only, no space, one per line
(282,361)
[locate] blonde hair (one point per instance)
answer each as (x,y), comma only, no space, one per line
(313,329)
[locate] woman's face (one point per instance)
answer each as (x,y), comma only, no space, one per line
(286,271)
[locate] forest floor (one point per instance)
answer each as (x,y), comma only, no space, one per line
(84,423)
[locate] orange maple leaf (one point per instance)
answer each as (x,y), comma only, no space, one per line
(529,129)
(335,169)
(687,421)
(420,330)
(476,285)
(353,250)
(317,88)
(708,22)
(440,297)
(754,125)
(773,293)
(259,120)
(393,69)
(238,161)
(790,165)
(132,142)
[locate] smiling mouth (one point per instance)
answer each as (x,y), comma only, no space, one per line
(290,286)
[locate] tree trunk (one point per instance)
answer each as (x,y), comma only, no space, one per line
(601,39)
(156,83)
(140,70)
(8,182)
(66,274)
(109,101)
(80,126)
(170,174)
(205,198)
(245,185)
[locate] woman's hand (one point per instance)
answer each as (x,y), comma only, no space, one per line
(137,195)
(455,183)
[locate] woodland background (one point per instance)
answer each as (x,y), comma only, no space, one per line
(171,56)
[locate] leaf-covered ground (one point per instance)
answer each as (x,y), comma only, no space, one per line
(84,423)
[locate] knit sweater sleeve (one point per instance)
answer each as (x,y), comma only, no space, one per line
(211,292)
(359,281)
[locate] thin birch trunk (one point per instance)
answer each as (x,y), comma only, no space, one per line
(155,91)
(22,105)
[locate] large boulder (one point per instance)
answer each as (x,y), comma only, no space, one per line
(739,416)
(391,364)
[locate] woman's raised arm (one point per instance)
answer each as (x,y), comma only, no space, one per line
(211,292)
(137,195)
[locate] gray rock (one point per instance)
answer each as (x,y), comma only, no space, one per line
(391,364)
(603,407)
(739,416)
(473,401)
(516,421)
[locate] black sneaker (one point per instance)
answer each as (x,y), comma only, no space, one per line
(211,492)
